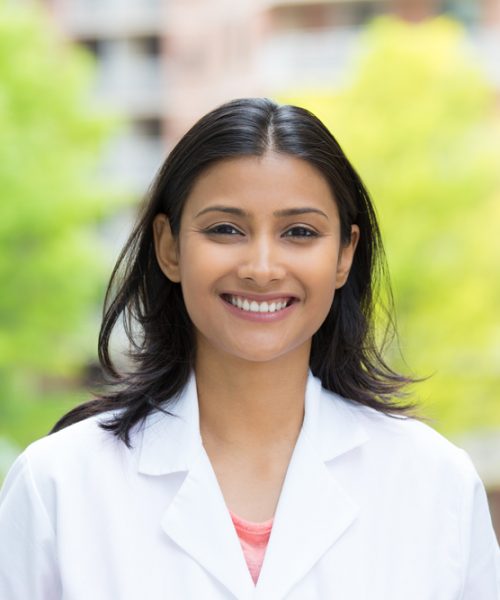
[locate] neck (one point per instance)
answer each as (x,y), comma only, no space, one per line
(246,404)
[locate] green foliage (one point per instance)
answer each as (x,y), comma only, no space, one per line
(30,409)
(51,270)
(418,120)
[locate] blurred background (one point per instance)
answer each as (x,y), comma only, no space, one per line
(93,95)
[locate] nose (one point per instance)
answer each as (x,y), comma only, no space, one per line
(261,262)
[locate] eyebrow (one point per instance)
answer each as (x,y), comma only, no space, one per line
(285,212)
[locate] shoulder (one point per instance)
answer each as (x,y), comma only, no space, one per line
(414,483)
(81,436)
(409,463)
(409,445)
(73,462)
(80,449)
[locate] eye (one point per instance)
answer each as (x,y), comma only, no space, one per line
(223,229)
(300,232)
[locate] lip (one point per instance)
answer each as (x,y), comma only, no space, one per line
(260,297)
(259,317)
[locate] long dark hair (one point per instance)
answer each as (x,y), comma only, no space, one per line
(345,353)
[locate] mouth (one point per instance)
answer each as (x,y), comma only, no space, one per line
(253,306)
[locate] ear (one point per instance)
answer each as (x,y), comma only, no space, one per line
(166,248)
(346,257)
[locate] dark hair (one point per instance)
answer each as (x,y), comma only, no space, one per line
(345,354)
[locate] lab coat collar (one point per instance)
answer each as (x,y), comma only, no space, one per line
(169,444)
(313,512)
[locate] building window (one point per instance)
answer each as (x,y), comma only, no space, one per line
(93,46)
(149,128)
(148,45)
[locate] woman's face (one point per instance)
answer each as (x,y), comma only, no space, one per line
(258,256)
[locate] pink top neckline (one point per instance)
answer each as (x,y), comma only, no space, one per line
(254,538)
(252,526)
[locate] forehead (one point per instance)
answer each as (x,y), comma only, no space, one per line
(261,184)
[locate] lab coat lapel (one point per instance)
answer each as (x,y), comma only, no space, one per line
(196,517)
(314,509)
(198,522)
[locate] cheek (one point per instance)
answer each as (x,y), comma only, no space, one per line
(322,288)
(201,265)
(320,269)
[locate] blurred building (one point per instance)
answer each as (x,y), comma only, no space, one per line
(164,63)
(128,41)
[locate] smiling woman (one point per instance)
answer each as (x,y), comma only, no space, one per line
(261,447)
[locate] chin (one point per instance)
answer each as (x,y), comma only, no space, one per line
(262,354)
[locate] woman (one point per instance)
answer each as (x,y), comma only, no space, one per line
(258,448)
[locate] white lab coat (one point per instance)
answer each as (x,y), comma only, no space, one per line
(372,508)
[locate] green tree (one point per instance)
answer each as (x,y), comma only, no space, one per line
(51,269)
(417,118)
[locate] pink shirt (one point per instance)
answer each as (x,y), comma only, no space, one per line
(253,539)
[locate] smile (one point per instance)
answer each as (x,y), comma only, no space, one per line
(253,306)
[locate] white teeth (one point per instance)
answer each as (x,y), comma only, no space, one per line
(257,307)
